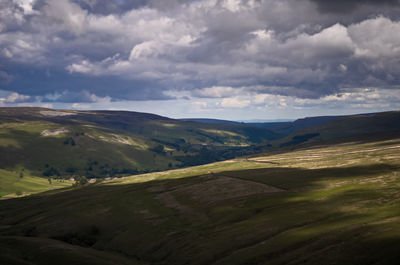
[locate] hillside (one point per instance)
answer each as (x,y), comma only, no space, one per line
(100,144)
(213,121)
(46,145)
(14,184)
(363,127)
(324,205)
(288,127)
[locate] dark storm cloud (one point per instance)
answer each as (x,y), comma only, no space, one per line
(5,78)
(106,7)
(85,50)
(347,6)
(58,86)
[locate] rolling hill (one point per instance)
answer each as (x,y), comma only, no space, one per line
(213,121)
(50,147)
(100,144)
(363,127)
(336,204)
(325,191)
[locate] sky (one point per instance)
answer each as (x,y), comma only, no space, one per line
(225,59)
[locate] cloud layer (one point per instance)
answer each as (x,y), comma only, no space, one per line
(81,51)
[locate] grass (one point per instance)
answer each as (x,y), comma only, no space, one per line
(104,144)
(12,185)
(336,205)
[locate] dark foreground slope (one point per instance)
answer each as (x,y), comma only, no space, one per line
(330,205)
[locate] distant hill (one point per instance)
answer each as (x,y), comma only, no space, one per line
(358,127)
(290,127)
(213,121)
(266,120)
(327,201)
(279,126)
(60,144)
(64,143)
(272,125)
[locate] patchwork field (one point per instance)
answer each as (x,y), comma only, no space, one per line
(337,204)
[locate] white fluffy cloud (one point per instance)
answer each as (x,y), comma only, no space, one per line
(306,59)
(69,15)
(14,98)
(238,52)
(217,92)
(376,37)
(235,102)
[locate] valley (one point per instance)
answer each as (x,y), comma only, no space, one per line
(320,195)
(315,205)
(199,132)
(62,144)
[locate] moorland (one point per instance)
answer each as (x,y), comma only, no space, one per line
(314,191)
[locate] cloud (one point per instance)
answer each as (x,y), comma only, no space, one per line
(347,6)
(15,98)
(6,53)
(230,50)
(72,96)
(360,98)
(106,7)
(235,102)
(330,43)
(26,6)
(68,14)
(81,67)
(216,92)
(80,106)
(5,77)
(375,38)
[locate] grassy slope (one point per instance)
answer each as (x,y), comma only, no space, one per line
(336,205)
(101,143)
(12,185)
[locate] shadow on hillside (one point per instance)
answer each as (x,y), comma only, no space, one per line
(131,220)
(287,178)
